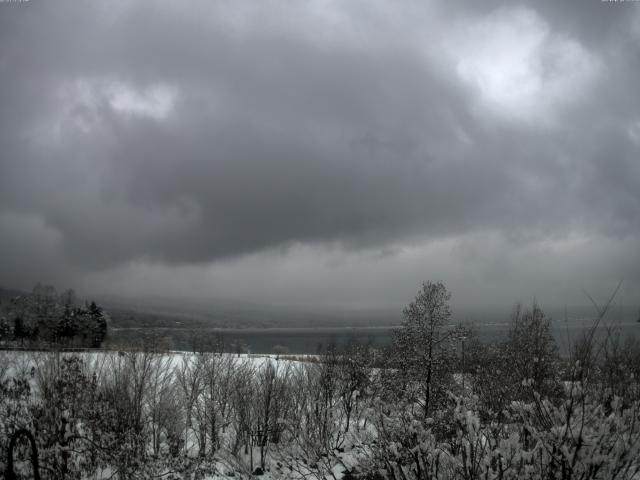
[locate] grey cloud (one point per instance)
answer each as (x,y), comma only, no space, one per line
(186,136)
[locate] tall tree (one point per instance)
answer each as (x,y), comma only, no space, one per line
(532,353)
(425,346)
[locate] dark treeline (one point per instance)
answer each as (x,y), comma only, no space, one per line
(437,403)
(45,317)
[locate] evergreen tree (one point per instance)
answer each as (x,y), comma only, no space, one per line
(20,329)
(99,331)
(5,329)
(95,310)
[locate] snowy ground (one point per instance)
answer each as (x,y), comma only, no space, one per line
(26,364)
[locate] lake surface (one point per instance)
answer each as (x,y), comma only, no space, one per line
(315,340)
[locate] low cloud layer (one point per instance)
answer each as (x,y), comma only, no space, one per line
(289,151)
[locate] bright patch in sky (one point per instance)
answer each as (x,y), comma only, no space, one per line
(634,132)
(520,67)
(155,102)
(84,98)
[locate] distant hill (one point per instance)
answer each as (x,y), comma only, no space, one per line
(197,313)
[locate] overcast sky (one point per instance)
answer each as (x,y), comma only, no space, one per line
(322,153)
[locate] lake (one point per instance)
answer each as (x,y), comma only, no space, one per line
(315,340)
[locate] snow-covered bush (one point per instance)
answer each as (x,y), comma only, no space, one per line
(15,413)
(579,440)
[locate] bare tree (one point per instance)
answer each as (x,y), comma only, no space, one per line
(190,380)
(354,379)
(425,346)
(272,405)
(531,354)
(162,402)
(243,399)
(214,405)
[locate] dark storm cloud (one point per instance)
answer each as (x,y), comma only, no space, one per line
(185,135)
